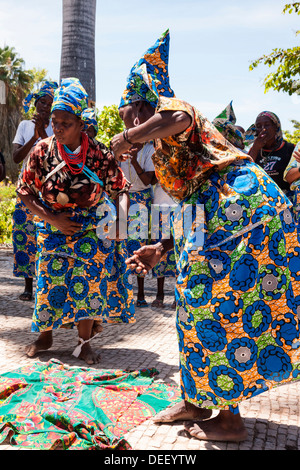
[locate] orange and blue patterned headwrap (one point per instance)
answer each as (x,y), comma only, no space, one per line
(149,77)
(89,118)
(47,89)
(226,124)
(70,97)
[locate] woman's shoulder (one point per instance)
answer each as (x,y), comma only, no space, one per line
(97,146)
(173,104)
(43,145)
(26,123)
(288,148)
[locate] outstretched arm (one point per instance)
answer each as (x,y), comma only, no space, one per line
(159,126)
(144,259)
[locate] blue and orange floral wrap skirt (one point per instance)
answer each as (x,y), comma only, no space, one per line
(81,277)
(24,241)
(238,292)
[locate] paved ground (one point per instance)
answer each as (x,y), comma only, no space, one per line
(272,419)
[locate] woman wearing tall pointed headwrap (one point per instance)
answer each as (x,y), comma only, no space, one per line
(225,122)
(238,261)
(64,183)
(156,60)
(29,132)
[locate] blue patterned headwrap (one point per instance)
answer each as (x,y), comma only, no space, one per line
(47,89)
(89,118)
(70,97)
(149,77)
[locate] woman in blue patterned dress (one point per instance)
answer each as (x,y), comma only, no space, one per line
(139,171)
(65,183)
(117,287)
(238,262)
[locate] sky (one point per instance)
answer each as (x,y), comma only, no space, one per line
(212,45)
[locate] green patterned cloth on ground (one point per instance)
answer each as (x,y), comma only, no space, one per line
(45,406)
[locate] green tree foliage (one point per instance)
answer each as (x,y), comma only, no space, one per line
(17,80)
(293,137)
(7,207)
(286,77)
(109,123)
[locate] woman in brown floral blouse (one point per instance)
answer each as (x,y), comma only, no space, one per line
(65,184)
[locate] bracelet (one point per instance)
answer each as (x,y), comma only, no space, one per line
(125,136)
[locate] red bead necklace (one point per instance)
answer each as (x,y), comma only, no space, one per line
(72,159)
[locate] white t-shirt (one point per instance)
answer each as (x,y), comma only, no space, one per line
(161,197)
(25,132)
(145,161)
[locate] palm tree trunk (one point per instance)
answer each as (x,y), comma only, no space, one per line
(78,43)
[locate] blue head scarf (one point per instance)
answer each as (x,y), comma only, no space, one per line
(47,89)
(70,97)
(89,118)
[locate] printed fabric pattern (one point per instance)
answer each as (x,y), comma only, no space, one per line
(71,274)
(238,295)
(54,406)
(24,241)
(184,162)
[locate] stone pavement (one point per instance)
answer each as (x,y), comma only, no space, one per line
(272,419)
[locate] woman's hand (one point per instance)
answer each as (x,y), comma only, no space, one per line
(261,139)
(62,221)
(120,147)
(144,259)
(296,154)
(39,129)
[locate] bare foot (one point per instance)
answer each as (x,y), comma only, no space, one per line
(158,303)
(88,355)
(97,327)
(224,427)
(181,411)
(43,343)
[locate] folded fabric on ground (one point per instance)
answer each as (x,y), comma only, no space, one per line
(51,405)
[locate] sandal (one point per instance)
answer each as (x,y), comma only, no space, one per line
(141,303)
(26,296)
(158,303)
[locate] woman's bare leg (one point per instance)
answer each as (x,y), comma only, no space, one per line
(43,343)
(85,333)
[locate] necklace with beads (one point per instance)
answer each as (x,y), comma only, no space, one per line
(75,162)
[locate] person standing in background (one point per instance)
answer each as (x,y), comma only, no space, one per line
(29,132)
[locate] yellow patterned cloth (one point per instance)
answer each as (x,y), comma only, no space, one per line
(184,162)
